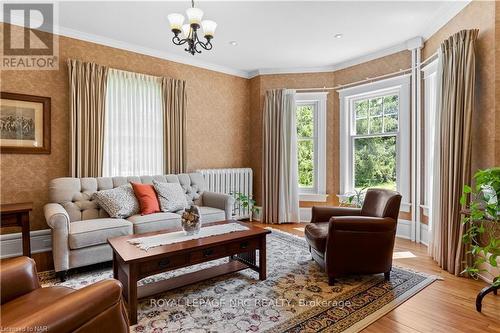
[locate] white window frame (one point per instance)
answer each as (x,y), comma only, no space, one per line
(399,85)
(318,100)
(430,81)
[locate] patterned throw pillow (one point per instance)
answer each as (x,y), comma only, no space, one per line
(171,196)
(119,202)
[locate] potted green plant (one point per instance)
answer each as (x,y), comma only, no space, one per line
(482,225)
(245,201)
(354,199)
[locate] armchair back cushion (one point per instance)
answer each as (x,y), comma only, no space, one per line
(18,277)
(75,194)
(381,203)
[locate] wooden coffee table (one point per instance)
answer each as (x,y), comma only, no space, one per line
(131,264)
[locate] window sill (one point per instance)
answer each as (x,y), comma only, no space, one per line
(313,197)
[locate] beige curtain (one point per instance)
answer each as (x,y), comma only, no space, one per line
(87,94)
(456,105)
(175,125)
(279,169)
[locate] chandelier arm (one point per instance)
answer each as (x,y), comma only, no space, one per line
(177,41)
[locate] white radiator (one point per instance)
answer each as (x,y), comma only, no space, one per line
(230,181)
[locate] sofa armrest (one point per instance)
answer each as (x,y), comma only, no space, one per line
(18,277)
(362,224)
(58,220)
(220,201)
(56,216)
(101,302)
(323,214)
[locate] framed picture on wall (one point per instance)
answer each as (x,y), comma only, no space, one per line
(24,124)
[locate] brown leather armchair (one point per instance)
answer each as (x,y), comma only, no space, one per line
(346,241)
(26,307)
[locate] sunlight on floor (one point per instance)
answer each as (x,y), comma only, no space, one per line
(403,255)
(299,229)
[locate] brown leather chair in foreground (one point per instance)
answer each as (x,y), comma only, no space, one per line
(26,307)
(347,241)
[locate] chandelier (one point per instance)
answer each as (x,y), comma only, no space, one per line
(190,31)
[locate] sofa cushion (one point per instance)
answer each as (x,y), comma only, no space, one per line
(119,202)
(171,196)
(147,197)
(209,214)
(154,222)
(316,234)
(97,231)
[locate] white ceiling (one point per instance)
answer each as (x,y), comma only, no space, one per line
(272,36)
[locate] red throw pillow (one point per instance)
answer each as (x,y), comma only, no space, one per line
(146,195)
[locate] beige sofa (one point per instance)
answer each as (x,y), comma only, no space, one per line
(80,228)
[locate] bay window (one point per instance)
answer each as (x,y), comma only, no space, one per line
(311,145)
(375,137)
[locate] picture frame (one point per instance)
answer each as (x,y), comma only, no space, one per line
(24,124)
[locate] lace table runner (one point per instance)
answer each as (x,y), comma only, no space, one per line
(145,243)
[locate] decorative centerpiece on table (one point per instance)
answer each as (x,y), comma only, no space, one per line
(191,220)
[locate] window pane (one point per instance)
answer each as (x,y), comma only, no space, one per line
(361,126)
(305,121)
(391,104)
(375,162)
(305,155)
(391,123)
(361,108)
(376,106)
(376,125)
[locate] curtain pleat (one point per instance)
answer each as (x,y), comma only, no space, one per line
(134,125)
(175,104)
(453,145)
(87,94)
(280,169)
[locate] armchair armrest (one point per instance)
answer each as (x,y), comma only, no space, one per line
(362,224)
(323,214)
(18,277)
(56,216)
(74,310)
(220,201)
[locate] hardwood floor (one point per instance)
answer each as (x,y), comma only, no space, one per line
(444,306)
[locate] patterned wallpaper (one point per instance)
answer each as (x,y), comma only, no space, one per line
(478,15)
(218,116)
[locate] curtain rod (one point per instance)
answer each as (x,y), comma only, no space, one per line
(368,79)
(431,58)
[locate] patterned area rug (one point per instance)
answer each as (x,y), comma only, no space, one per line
(294,298)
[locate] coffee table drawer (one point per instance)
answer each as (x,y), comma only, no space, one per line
(209,253)
(243,246)
(163,264)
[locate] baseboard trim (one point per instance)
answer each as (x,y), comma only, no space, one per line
(424,234)
(403,229)
(11,245)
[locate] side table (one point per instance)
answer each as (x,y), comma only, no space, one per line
(18,215)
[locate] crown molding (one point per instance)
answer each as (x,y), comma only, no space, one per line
(148,51)
(338,66)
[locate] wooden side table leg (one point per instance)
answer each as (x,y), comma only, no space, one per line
(262,259)
(25,225)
